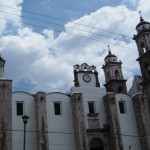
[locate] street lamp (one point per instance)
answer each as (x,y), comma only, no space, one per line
(25,120)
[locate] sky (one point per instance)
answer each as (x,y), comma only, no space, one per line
(41,40)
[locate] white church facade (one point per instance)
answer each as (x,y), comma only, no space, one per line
(88,117)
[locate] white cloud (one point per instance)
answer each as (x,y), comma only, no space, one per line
(144,7)
(47,61)
(10,12)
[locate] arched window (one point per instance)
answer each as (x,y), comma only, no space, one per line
(147,67)
(107,76)
(142,48)
(147,70)
(96,144)
(117,74)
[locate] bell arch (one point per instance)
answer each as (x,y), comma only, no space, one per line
(117,75)
(107,76)
(142,48)
(96,144)
(147,70)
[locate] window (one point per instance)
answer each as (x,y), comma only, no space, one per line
(107,76)
(142,47)
(57,108)
(91,107)
(122,107)
(117,74)
(19,106)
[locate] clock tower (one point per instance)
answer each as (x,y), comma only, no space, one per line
(115,81)
(85,76)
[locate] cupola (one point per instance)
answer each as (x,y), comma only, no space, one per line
(142,25)
(110,58)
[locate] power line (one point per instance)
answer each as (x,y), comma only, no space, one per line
(31,12)
(89,38)
(23,16)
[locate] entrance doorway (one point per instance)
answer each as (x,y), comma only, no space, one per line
(96,144)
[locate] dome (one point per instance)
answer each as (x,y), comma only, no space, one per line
(110,55)
(110,58)
(142,22)
(142,25)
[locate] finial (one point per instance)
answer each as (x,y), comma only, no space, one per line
(109,52)
(141,18)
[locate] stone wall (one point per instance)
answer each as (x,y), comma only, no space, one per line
(5,114)
(80,133)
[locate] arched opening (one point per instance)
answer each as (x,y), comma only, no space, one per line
(107,76)
(96,144)
(142,47)
(147,67)
(117,74)
(120,89)
(147,70)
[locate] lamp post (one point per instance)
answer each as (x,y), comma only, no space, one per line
(25,120)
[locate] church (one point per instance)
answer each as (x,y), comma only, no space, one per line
(88,117)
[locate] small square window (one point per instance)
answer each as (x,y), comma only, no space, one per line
(19,106)
(122,107)
(57,108)
(91,106)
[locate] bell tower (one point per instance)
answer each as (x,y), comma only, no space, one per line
(115,81)
(142,39)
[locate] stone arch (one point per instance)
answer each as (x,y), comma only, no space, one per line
(107,76)
(147,70)
(117,75)
(142,48)
(96,144)
(147,66)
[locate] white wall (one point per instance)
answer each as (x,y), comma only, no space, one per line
(92,83)
(92,94)
(17,122)
(60,127)
(128,125)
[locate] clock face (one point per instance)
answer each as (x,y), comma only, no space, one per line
(86,77)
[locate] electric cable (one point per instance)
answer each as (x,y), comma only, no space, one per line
(49,22)
(89,38)
(31,12)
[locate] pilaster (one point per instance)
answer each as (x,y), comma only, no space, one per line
(143,119)
(112,119)
(80,133)
(41,121)
(5,114)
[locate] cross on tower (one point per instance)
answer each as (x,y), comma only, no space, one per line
(141,18)
(109,49)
